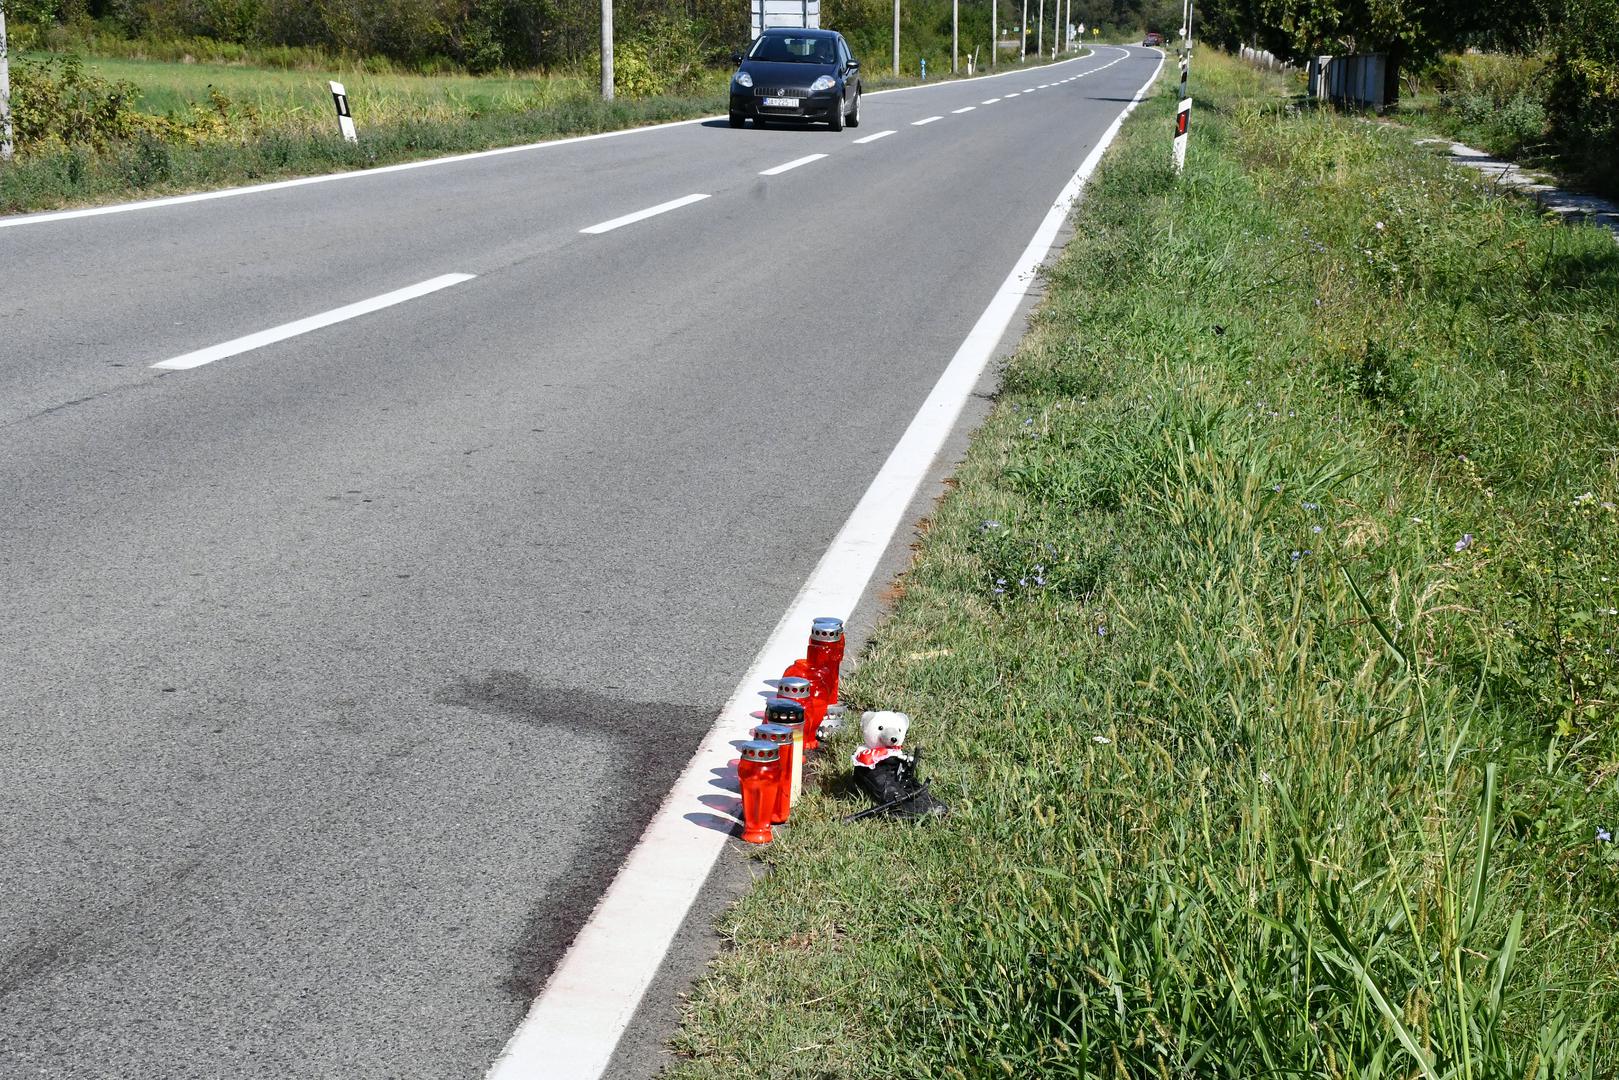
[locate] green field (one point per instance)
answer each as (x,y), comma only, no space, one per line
(298,98)
(1264,650)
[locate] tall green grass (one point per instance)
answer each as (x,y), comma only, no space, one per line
(1264,647)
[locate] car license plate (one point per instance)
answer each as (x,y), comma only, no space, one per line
(781,103)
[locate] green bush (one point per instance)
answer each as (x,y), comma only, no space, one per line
(1497,100)
(56,102)
(1583,102)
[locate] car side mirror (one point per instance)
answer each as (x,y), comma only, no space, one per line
(736,58)
(854,65)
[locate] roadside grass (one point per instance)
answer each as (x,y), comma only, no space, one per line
(226,124)
(1264,649)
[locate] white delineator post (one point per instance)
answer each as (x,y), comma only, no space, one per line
(1183,114)
(5,92)
(607,48)
(345,121)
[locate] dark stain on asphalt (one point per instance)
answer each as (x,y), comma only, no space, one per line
(651,741)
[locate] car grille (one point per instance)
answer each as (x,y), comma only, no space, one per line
(781,91)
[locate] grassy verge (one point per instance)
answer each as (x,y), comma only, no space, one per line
(1264,648)
(226,124)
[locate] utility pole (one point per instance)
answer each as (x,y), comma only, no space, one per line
(994,34)
(1068,26)
(1040,33)
(5,91)
(896,39)
(955,34)
(607,50)
(1023,34)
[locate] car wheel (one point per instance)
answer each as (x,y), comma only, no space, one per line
(836,123)
(736,119)
(854,117)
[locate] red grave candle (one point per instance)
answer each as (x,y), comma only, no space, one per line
(825,654)
(760,774)
(782,736)
(801,689)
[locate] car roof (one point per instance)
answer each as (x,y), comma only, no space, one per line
(799,31)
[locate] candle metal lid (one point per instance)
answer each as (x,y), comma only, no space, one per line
(826,628)
(795,688)
(777,733)
(759,750)
(783,711)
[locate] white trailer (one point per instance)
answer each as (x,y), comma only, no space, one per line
(798,13)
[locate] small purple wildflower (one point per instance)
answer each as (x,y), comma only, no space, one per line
(1315,528)
(1604,836)
(1465,542)
(1040,581)
(1101,631)
(1297,555)
(985,526)
(1310,505)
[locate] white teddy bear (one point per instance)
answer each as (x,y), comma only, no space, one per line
(884,734)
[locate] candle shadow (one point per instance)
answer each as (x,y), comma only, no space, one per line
(725,779)
(725,804)
(718,824)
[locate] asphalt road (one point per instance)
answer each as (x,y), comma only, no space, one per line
(337,675)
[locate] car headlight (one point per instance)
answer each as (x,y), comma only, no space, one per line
(825,82)
(744,79)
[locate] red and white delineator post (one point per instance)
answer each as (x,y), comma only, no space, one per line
(1183,114)
(345,121)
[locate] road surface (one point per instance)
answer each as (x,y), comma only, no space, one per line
(345,657)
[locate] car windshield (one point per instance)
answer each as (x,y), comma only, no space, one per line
(794,49)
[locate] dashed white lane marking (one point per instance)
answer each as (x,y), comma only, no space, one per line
(958,112)
(991,101)
(642,215)
(928,120)
(314,322)
(1042,86)
(574,1025)
(874,138)
(793,164)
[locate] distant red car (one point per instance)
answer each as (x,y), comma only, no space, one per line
(1153,38)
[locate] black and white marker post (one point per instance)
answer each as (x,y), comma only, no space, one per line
(345,122)
(1183,114)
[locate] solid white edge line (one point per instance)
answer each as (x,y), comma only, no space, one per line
(196,359)
(958,112)
(642,215)
(16,220)
(925,120)
(572,1028)
(874,138)
(793,164)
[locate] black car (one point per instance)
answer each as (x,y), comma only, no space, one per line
(797,75)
